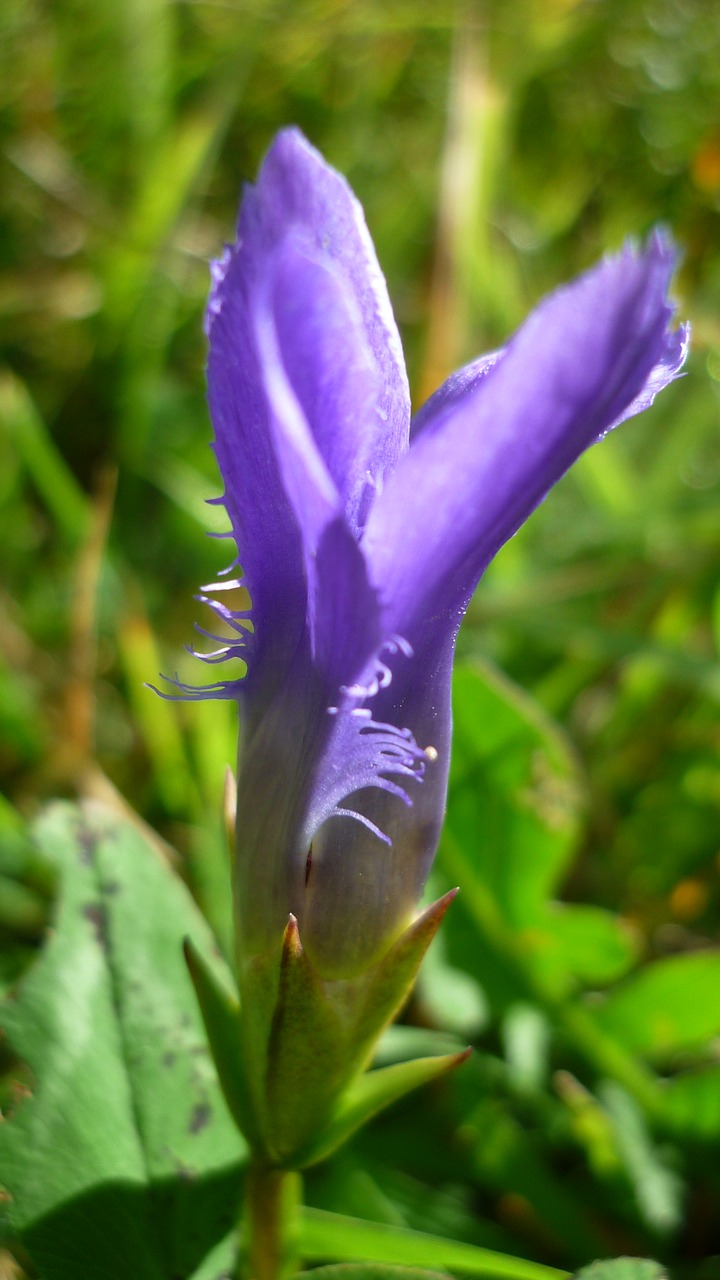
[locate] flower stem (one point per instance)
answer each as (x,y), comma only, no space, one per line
(270,1224)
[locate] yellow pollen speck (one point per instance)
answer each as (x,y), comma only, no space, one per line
(431,753)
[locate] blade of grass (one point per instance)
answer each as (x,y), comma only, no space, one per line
(45,465)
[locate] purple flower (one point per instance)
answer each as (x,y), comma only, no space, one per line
(362,536)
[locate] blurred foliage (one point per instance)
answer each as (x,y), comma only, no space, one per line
(497,149)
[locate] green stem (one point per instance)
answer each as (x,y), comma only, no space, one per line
(270,1224)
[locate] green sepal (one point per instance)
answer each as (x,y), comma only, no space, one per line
(307,1050)
(220,1009)
(307,1037)
(386,988)
(372,1092)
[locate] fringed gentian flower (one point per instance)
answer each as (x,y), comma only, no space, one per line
(362,536)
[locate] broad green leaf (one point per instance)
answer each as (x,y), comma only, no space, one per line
(27,886)
(671,1005)
(692,1102)
(591,944)
(477,936)
(219,1262)
(623,1269)
(333,1235)
(513,820)
(123,1157)
(515,794)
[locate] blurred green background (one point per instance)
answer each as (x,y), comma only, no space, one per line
(498,149)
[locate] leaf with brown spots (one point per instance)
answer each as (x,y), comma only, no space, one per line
(124,1151)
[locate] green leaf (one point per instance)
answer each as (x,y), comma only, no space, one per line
(592,944)
(385,988)
(164,190)
(370,1271)
(372,1092)
(360,1183)
(515,793)
(652,1012)
(526,1041)
(507,1158)
(123,1157)
(333,1235)
(51,475)
(658,1188)
(449,997)
(692,1102)
(623,1269)
(219,1262)
(515,807)
(220,1010)
(400,1042)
